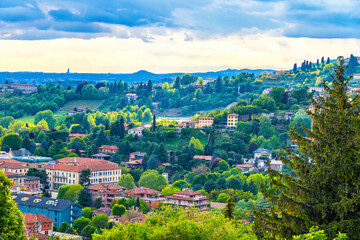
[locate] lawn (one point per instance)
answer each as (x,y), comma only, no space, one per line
(171,144)
(90,104)
(30,119)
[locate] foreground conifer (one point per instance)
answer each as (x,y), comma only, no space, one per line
(326,192)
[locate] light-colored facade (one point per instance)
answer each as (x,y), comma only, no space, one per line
(13,168)
(131,97)
(188,198)
(232,120)
(68,172)
(136,131)
(205,122)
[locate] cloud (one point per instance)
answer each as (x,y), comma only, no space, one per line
(201,19)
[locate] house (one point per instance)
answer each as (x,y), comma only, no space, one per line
(208,80)
(136,131)
(107,192)
(205,122)
(140,219)
(58,209)
(262,153)
(102,210)
(267,90)
(4,155)
(70,113)
(68,170)
(232,120)
(38,226)
(101,156)
(26,191)
(188,198)
(137,156)
(131,97)
(276,165)
(22,152)
(246,167)
(151,197)
(108,149)
(190,124)
(28,181)
(81,153)
(74,135)
(23,88)
(133,164)
(156,105)
(203,157)
(13,168)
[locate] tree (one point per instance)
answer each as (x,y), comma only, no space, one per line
(152,179)
(229,209)
(97,203)
(181,224)
(11,140)
(209,186)
(69,192)
(161,153)
(218,85)
(57,148)
(169,190)
(85,177)
(127,181)
(80,224)
(116,128)
(295,68)
(46,115)
(84,198)
(147,115)
(132,212)
(223,197)
(181,184)
(327,171)
(153,162)
(118,210)
(100,221)
(88,231)
(153,126)
(177,84)
(64,227)
(87,212)
(277,93)
(11,220)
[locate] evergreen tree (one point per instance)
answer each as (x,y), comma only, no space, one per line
(328,60)
(161,153)
(177,84)
(326,189)
(84,198)
(218,85)
(295,68)
(85,177)
(153,126)
(229,209)
(115,129)
(149,86)
(322,61)
(317,63)
(122,128)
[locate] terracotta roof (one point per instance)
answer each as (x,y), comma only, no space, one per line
(9,173)
(109,147)
(139,219)
(77,135)
(36,218)
(138,153)
(233,114)
(106,186)
(11,161)
(190,199)
(123,221)
(41,236)
(142,190)
(100,155)
(5,165)
(206,118)
(69,164)
(245,165)
(188,192)
(203,157)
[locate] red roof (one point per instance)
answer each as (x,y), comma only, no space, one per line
(142,190)
(5,165)
(123,221)
(245,165)
(11,161)
(74,164)
(190,199)
(77,135)
(233,114)
(9,173)
(106,186)
(139,219)
(109,147)
(36,218)
(203,157)
(188,192)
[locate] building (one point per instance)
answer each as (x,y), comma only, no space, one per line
(136,131)
(102,210)
(133,164)
(74,135)
(23,88)
(131,97)
(22,152)
(205,122)
(246,167)
(208,80)
(38,226)
(108,149)
(137,156)
(101,156)
(4,155)
(68,171)
(13,168)
(190,124)
(232,120)
(25,181)
(107,192)
(276,165)
(188,198)
(151,197)
(203,157)
(26,191)
(262,153)
(57,209)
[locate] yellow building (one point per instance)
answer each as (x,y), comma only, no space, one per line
(205,122)
(232,120)
(13,168)
(69,170)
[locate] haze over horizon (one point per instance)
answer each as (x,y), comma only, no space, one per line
(182,36)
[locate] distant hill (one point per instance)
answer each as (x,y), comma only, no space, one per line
(41,78)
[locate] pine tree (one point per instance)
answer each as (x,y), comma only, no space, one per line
(218,85)
(177,84)
(326,191)
(328,60)
(295,68)
(153,126)
(229,209)
(84,198)
(122,128)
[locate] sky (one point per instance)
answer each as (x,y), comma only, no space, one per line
(163,36)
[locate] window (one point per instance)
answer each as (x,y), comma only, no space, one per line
(49,202)
(37,200)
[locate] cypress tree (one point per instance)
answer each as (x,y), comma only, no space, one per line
(328,60)
(294,68)
(229,209)
(326,192)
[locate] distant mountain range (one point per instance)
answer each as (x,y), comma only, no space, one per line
(140,76)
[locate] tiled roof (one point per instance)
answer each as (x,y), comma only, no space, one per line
(233,114)
(77,135)
(190,199)
(106,186)
(100,155)
(36,218)
(123,221)
(139,219)
(142,190)
(5,165)
(109,147)
(203,157)
(245,165)
(48,203)
(188,192)
(206,118)
(101,165)
(11,161)
(9,173)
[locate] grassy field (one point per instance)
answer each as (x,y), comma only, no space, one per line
(30,119)
(171,144)
(90,104)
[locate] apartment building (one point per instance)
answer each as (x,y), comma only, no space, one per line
(68,171)
(205,122)
(188,198)
(232,120)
